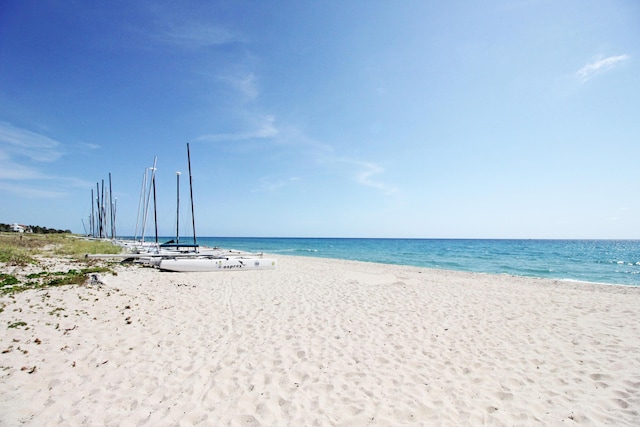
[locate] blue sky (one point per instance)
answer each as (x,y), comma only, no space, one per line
(489,119)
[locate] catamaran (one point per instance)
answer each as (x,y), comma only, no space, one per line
(180,257)
(204,263)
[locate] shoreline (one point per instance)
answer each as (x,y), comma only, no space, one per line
(591,261)
(321,341)
(555,280)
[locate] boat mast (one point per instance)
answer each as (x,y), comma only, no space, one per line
(178,208)
(141,203)
(193,219)
(103,224)
(115,206)
(155,207)
(93,229)
(111,207)
(146,209)
(99,218)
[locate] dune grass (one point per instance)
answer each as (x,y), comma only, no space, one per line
(25,249)
(75,247)
(17,250)
(20,249)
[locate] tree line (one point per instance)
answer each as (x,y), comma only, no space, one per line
(34,229)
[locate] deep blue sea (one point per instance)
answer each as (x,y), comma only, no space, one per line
(599,261)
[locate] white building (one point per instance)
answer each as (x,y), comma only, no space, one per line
(18,228)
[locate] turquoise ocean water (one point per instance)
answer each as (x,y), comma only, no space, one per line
(600,261)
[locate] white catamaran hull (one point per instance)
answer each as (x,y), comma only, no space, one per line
(216,264)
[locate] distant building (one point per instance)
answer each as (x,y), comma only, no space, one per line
(19,228)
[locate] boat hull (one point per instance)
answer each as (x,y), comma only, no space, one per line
(216,264)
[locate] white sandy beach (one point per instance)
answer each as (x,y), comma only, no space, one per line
(321,342)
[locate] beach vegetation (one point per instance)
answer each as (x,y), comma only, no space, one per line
(21,249)
(15,255)
(8,280)
(76,247)
(45,279)
(17,324)
(56,311)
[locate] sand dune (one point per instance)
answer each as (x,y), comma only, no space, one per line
(321,342)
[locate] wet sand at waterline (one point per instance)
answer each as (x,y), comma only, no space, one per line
(320,342)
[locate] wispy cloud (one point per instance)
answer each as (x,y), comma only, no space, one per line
(365,176)
(89,145)
(193,27)
(22,156)
(269,186)
(31,192)
(10,170)
(197,35)
(23,142)
(243,83)
(599,66)
(364,173)
(264,128)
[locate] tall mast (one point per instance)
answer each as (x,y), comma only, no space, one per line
(155,207)
(141,203)
(103,224)
(99,230)
(115,206)
(146,209)
(93,232)
(111,207)
(193,219)
(178,209)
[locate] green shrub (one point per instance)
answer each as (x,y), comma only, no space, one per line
(17,324)
(7,280)
(46,279)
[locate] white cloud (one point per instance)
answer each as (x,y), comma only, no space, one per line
(31,191)
(13,171)
(23,154)
(271,186)
(245,84)
(365,175)
(264,128)
(599,66)
(267,128)
(29,144)
(89,145)
(191,34)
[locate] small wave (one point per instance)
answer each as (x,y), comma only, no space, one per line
(622,262)
(449,265)
(592,282)
(535,272)
(290,250)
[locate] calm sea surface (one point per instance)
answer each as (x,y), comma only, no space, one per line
(600,261)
